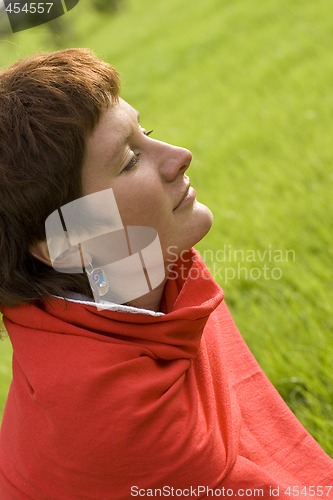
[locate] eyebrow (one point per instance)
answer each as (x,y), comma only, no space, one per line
(125,139)
(138,119)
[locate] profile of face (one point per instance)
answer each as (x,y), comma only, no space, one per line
(148,180)
(137,214)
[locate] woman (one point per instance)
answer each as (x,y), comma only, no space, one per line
(158,396)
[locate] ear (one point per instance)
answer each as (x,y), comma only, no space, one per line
(41,252)
(69,261)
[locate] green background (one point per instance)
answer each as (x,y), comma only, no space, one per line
(247,86)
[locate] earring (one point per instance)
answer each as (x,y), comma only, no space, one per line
(97,279)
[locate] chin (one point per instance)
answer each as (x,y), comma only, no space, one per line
(203,221)
(192,231)
(200,224)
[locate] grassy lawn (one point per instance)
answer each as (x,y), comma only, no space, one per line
(5,371)
(246,85)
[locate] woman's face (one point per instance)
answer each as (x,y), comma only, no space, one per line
(148,180)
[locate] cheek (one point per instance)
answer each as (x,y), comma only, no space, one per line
(141,205)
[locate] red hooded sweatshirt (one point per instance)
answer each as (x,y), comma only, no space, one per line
(109,405)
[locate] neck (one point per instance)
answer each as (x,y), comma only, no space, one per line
(151,300)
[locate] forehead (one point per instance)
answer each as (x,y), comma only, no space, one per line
(112,131)
(116,119)
(122,111)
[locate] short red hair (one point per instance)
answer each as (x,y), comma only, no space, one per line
(49,104)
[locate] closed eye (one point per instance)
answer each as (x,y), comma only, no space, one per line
(136,157)
(132,163)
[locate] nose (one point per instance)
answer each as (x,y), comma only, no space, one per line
(174,162)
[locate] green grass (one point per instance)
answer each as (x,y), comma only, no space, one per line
(5,371)
(246,85)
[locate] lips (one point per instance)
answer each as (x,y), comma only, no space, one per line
(184,196)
